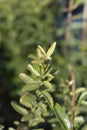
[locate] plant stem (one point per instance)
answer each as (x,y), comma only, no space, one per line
(73,95)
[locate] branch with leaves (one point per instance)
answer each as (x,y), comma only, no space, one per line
(36,101)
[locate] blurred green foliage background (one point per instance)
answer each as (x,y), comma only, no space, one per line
(25,24)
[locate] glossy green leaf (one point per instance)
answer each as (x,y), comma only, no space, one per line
(28,100)
(27,79)
(51,50)
(32,70)
(49,98)
(19,108)
(62,117)
(82,97)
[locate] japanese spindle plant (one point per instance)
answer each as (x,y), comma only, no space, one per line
(36,101)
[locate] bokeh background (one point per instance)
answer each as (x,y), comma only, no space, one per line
(26,23)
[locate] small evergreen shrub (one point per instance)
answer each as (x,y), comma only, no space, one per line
(37,103)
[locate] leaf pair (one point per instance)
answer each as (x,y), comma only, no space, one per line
(47,56)
(31,84)
(28,100)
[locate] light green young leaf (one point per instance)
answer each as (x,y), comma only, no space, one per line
(42,52)
(39,53)
(38,60)
(27,79)
(32,70)
(49,98)
(19,108)
(32,56)
(28,100)
(51,50)
(82,97)
(62,117)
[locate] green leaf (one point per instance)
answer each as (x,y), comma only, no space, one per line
(49,76)
(27,117)
(48,85)
(33,119)
(38,129)
(80,119)
(79,90)
(10,128)
(32,56)
(42,106)
(30,87)
(1,127)
(51,50)
(37,120)
(39,53)
(62,117)
(28,100)
(27,79)
(49,98)
(19,108)
(38,60)
(82,97)
(32,70)
(84,103)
